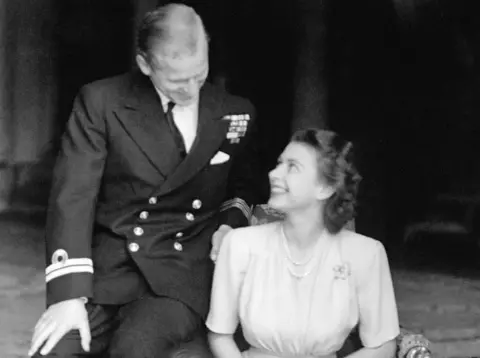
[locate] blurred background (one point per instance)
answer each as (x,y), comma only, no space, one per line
(400,78)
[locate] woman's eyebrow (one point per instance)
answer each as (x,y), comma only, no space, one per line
(294,161)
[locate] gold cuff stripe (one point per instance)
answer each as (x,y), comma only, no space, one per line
(239,204)
(68,266)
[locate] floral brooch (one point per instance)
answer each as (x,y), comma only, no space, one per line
(341,271)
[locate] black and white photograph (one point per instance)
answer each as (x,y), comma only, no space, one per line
(239,179)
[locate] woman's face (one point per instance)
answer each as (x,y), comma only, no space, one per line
(294,183)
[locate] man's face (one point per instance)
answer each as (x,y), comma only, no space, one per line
(181,78)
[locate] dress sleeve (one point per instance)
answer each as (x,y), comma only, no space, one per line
(228,277)
(378,310)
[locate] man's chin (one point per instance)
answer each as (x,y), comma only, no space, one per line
(184,102)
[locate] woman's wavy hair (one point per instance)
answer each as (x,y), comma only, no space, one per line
(336,168)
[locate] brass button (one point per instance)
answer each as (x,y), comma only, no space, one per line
(190,216)
(152,200)
(138,231)
(144,215)
(60,256)
(178,246)
(197,204)
(133,247)
(179,235)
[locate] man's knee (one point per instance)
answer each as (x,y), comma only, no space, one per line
(137,344)
(128,344)
(197,348)
(102,323)
(153,326)
(68,347)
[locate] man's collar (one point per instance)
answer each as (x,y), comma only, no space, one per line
(164,99)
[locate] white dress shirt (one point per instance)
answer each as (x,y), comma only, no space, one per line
(185,118)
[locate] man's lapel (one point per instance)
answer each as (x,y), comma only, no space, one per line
(143,118)
(211,132)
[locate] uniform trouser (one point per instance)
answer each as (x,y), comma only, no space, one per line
(150,327)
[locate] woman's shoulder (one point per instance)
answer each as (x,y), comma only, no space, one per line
(257,236)
(358,248)
(358,240)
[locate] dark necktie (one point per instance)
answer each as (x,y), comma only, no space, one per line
(177,136)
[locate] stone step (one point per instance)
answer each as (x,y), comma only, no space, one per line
(457,349)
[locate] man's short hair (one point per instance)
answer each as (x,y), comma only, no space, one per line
(174,29)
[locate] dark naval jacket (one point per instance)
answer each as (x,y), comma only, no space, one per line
(126,214)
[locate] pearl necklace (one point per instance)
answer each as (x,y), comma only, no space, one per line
(300,276)
(295,263)
(289,254)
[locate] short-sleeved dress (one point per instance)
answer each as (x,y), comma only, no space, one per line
(283,315)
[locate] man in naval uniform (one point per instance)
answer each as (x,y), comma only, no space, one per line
(153,164)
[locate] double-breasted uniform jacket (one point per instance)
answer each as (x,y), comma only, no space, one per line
(125,213)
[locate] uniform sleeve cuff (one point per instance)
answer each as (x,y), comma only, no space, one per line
(235,213)
(67,287)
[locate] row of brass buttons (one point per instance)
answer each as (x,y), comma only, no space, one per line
(138,231)
(196,204)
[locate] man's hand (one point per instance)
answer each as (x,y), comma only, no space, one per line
(58,320)
(217,239)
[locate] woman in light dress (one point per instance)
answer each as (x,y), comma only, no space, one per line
(300,285)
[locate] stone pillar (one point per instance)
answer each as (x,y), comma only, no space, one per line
(34,87)
(4,82)
(5,107)
(310,87)
(28,89)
